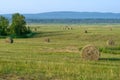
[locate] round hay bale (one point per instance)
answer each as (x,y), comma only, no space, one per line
(86,31)
(70,28)
(35,29)
(90,52)
(9,40)
(47,40)
(110,42)
(110,29)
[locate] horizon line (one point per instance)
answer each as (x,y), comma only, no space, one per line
(61,11)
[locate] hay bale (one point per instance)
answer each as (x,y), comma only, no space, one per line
(86,31)
(9,40)
(68,28)
(71,28)
(35,29)
(110,29)
(47,40)
(90,52)
(110,42)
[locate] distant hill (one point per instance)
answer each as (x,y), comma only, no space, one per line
(70,15)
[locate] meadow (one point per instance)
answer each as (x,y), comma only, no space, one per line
(60,59)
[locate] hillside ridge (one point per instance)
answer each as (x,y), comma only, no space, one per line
(69,15)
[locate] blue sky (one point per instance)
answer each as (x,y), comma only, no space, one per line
(39,6)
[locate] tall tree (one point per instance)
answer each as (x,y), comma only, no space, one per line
(4,23)
(18,26)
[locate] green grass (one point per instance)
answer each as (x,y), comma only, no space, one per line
(35,59)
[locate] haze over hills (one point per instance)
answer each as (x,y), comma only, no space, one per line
(70,15)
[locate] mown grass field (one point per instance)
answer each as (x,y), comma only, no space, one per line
(60,59)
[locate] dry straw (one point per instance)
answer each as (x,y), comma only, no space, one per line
(90,52)
(9,40)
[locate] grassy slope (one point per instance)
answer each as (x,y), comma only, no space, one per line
(33,58)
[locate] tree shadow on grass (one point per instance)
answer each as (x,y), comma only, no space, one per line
(109,59)
(49,33)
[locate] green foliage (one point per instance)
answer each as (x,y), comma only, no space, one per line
(112,50)
(3,25)
(18,26)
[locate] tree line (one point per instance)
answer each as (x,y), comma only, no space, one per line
(17,27)
(73,21)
